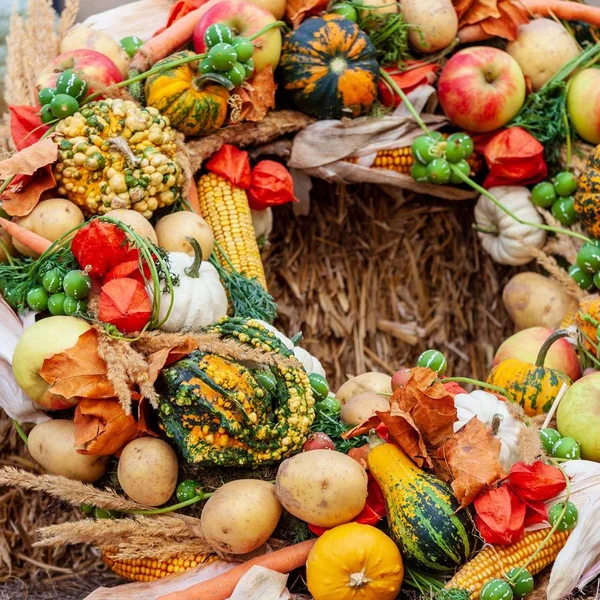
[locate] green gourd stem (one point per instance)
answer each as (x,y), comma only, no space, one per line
(8,255)
(568,139)
(375,440)
(173,507)
(267,28)
(407,102)
(20,430)
(554,527)
(557,335)
(476,382)
(193,270)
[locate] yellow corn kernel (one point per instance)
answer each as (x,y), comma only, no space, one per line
(495,561)
(225,208)
(149,569)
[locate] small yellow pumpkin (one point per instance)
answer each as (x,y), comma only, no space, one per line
(192,107)
(354,562)
(533,386)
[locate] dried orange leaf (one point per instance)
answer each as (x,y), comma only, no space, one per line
(360,455)
(472,457)
(19,200)
(512,15)
(480,10)
(143,418)
(78,371)
(462,6)
(258,96)
(363,428)
(161,358)
(298,10)
(30,159)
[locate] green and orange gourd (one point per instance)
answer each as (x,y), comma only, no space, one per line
(194,104)
(329,67)
(423,515)
(587,197)
(533,386)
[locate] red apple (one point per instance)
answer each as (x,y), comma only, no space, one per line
(244,19)
(400,379)
(481,89)
(89,64)
(525,346)
(583,104)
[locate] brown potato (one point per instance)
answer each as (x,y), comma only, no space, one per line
(362,407)
(378,383)
(136,221)
(172,231)
(434,24)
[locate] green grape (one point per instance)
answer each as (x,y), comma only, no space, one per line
(496,589)
(77,284)
(543,194)
(549,437)
(464,167)
(565,183)
(588,259)
(56,304)
(46,114)
(419,172)
(567,448)
(582,279)
(218,33)
(206,66)
(72,306)
(569,519)
(45,96)
(37,299)
(244,48)
(63,105)
(71,84)
(522,581)
(564,211)
(52,281)
(236,74)
(425,147)
(187,489)
(439,171)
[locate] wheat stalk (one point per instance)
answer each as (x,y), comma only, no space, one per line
(67,18)
(161,551)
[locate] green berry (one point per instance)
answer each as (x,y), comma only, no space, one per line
(433,359)
(77,284)
(217,34)
(419,172)
(438,171)
(71,84)
(549,437)
(249,68)
(543,194)
(72,306)
(206,66)
(569,519)
(582,279)
(236,74)
(565,183)
(52,281)
(45,96)
(496,589)
(244,48)
(319,386)
(596,279)
(466,142)
(459,146)
(564,211)
(522,581)
(188,489)
(588,259)
(425,147)
(223,56)
(346,10)
(131,44)
(63,105)
(331,405)
(567,448)
(464,167)
(46,114)
(37,299)
(56,304)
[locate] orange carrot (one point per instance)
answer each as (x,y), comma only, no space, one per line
(193,198)
(33,241)
(169,40)
(562,9)
(222,586)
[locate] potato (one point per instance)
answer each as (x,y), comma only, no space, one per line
(380,7)
(322,487)
(362,407)
(542,48)
(7,243)
(136,221)
(434,24)
(241,516)
(172,230)
(51,444)
(379,383)
(148,471)
(533,300)
(51,219)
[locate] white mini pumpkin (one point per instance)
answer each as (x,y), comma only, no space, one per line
(199,299)
(504,242)
(310,363)
(485,407)
(263,222)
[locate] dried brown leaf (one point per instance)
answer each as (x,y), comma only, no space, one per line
(462,6)
(166,356)
(20,200)
(258,96)
(480,10)
(298,10)
(512,15)
(472,457)
(30,159)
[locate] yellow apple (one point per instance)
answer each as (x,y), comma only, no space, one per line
(583,104)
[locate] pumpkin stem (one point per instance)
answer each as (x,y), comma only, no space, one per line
(120,143)
(496,422)
(358,580)
(200,81)
(375,440)
(557,335)
(193,270)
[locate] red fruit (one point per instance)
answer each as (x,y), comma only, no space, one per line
(318,441)
(400,379)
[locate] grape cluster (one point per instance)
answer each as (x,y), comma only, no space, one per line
(434,156)
(563,448)
(557,195)
(228,55)
(586,270)
(63,100)
(518,582)
(61,295)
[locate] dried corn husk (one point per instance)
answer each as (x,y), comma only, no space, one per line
(578,562)
(261,584)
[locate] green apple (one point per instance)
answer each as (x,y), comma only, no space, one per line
(578,415)
(40,341)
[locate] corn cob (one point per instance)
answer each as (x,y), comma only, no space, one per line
(496,561)
(225,208)
(401,160)
(149,569)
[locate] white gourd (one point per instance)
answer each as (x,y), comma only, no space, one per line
(199,299)
(504,243)
(485,406)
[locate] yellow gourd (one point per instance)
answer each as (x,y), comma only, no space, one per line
(354,562)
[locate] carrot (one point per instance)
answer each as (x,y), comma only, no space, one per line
(562,9)
(33,241)
(169,40)
(193,198)
(222,586)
